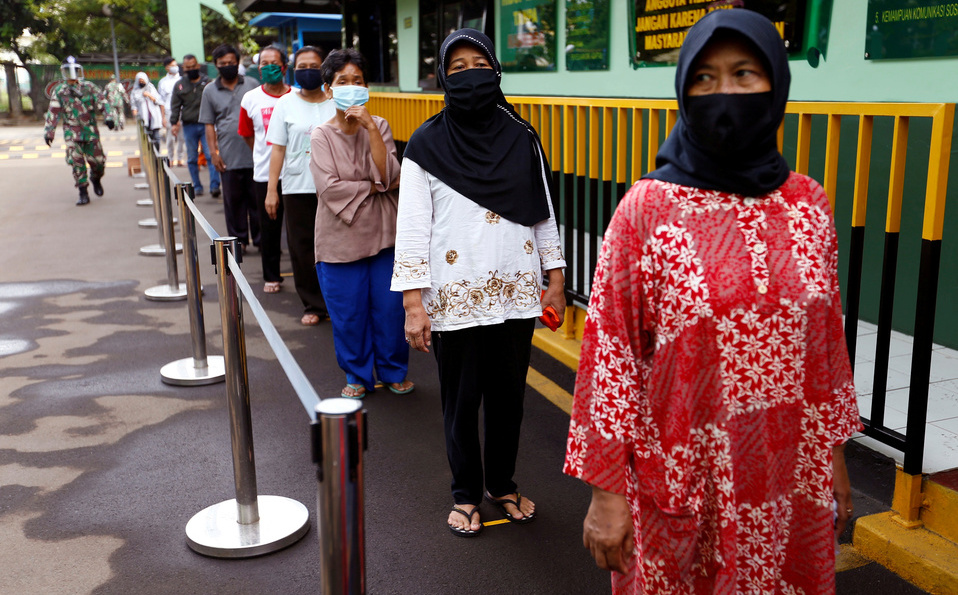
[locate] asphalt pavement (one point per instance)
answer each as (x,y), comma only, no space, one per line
(102,464)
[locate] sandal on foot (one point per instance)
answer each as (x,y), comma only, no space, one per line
(353,391)
(459,531)
(272,287)
(402,388)
(309,320)
(500,503)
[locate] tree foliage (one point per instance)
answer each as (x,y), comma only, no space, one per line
(60,28)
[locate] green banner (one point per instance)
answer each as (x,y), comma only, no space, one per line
(658,27)
(527,35)
(587,34)
(911,29)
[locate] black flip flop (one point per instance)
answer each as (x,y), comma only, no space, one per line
(459,532)
(500,503)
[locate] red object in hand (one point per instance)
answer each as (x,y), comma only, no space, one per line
(550,317)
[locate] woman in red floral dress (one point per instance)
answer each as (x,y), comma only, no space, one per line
(715,392)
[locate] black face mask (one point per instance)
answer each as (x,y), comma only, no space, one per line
(228,72)
(472,91)
(726,125)
(141,84)
(308,78)
(193,75)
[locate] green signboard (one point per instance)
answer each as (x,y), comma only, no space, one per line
(587,34)
(911,29)
(527,35)
(659,26)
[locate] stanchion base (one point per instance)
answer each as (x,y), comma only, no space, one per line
(145,202)
(166,293)
(150,222)
(157,250)
(216,532)
(141,186)
(183,372)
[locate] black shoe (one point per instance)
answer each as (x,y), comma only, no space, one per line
(215,193)
(97,186)
(84,197)
(198,192)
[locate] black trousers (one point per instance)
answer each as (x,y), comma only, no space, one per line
(270,231)
(239,205)
(300,237)
(484,365)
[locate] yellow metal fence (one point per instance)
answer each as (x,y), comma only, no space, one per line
(598,147)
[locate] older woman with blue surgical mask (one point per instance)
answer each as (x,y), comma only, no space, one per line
(356,171)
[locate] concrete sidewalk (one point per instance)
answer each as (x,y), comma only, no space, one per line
(102,465)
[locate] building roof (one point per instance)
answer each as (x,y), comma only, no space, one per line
(316,22)
(297,6)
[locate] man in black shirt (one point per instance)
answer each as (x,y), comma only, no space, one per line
(184,117)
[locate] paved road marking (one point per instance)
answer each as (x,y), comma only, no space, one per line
(550,390)
(30,156)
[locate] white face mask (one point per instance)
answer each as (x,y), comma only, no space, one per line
(174,70)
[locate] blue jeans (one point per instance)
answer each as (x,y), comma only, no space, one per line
(196,133)
(368,320)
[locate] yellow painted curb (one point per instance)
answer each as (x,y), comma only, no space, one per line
(940,510)
(919,556)
(563,350)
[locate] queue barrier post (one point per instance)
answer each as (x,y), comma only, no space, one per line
(248,525)
(143,202)
(149,162)
(200,369)
(339,439)
(172,291)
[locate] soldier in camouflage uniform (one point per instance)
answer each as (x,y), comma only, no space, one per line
(76,101)
(116,97)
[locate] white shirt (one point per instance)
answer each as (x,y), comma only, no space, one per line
(474,267)
(165,88)
(292,122)
(256,112)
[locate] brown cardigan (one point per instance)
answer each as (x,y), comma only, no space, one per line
(351,223)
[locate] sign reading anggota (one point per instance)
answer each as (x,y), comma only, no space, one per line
(660,26)
(911,29)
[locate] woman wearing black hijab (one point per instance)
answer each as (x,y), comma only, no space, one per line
(714,393)
(475,232)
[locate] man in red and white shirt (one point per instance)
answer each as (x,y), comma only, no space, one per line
(255,111)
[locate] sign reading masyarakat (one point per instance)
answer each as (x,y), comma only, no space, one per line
(911,29)
(660,26)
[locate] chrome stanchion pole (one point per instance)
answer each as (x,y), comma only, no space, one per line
(339,439)
(248,525)
(143,202)
(149,163)
(172,291)
(201,368)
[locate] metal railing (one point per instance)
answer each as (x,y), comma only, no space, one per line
(252,524)
(599,147)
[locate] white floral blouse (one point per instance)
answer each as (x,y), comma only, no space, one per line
(474,266)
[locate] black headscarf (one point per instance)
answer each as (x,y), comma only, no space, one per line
(759,167)
(478,145)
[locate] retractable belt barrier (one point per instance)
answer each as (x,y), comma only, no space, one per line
(251,524)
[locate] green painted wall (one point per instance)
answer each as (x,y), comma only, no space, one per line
(186,28)
(844,75)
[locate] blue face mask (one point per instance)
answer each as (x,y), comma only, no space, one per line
(347,96)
